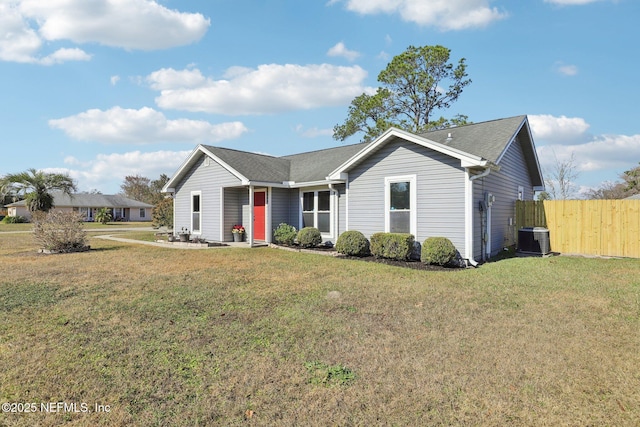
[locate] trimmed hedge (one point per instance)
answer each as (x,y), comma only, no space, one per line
(438,251)
(352,243)
(398,246)
(285,234)
(309,237)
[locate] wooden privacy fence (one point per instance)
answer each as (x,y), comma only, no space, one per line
(587,227)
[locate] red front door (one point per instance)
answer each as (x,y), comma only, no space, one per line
(259,215)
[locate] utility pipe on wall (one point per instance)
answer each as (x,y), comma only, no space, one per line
(470,259)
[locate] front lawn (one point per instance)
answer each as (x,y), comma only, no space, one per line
(269,337)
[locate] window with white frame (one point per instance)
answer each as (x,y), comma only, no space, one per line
(195,211)
(400,204)
(143,213)
(316,210)
(520,192)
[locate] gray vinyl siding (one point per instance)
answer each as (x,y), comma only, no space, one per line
(440,184)
(504,186)
(209,180)
(280,212)
(294,208)
(232,211)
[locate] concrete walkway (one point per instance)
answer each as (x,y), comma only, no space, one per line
(176,245)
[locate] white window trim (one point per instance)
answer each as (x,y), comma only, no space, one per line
(413,203)
(520,194)
(195,193)
(332,196)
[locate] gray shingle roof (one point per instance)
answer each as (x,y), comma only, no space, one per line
(82,200)
(303,167)
(316,165)
(487,139)
(254,166)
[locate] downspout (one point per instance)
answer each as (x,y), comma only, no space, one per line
(470,259)
(337,209)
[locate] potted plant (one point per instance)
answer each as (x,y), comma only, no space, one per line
(238,233)
(184,235)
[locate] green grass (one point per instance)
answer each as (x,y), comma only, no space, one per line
(268,337)
(89,226)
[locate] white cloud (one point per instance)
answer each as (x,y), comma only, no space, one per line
(18,42)
(566,69)
(143,126)
(64,55)
(268,89)
(130,24)
(114,80)
(443,14)
(341,50)
(558,130)
(594,155)
(168,78)
(570,2)
(312,132)
(106,172)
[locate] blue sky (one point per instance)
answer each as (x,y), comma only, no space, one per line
(110,88)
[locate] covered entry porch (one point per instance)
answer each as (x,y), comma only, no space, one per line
(249,207)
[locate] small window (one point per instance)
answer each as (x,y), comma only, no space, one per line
(195,212)
(400,202)
(316,210)
(400,207)
(143,213)
(520,192)
(324,214)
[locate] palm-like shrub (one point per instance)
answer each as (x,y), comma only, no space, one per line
(103,215)
(36,186)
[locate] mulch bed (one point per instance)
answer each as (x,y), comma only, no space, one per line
(413,264)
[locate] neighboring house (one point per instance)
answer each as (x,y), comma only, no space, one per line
(634,197)
(460,183)
(122,208)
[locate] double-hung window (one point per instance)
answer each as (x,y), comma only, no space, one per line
(316,210)
(400,204)
(195,211)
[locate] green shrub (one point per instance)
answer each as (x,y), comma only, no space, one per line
(398,246)
(14,219)
(309,237)
(352,243)
(438,251)
(163,213)
(285,234)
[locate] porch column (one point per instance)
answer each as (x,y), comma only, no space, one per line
(249,226)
